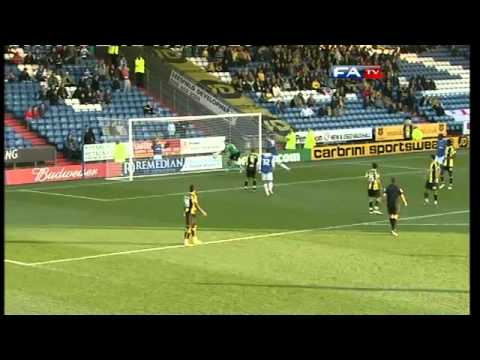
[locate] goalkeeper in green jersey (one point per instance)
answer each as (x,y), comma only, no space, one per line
(233,155)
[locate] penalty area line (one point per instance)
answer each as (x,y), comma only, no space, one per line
(64,195)
(259,236)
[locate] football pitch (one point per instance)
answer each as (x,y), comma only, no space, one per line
(114,247)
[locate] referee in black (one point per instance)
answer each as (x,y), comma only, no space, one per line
(393,193)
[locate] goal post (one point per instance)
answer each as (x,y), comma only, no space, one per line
(157,146)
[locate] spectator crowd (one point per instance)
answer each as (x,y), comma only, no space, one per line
(307,67)
(57,84)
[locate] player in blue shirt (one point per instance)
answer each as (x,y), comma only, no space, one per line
(272,149)
(157,149)
(267,164)
(441,147)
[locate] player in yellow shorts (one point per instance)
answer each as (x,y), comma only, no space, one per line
(192,206)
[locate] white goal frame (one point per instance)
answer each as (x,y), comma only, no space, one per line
(187,118)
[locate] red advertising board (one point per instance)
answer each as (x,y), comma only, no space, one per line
(54,173)
(143,149)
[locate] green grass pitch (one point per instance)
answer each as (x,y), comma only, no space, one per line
(106,247)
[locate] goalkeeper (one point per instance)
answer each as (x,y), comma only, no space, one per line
(233,155)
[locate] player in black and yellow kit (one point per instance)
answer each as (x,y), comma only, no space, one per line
(433,176)
(448,165)
(374,189)
(393,193)
(191,208)
(251,170)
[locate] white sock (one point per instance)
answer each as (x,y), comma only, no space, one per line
(266,189)
(270,187)
(284,166)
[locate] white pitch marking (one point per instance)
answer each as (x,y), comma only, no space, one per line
(128,252)
(64,195)
(17,262)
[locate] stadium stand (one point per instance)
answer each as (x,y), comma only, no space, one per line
(435,75)
(72,90)
(75,91)
(14,140)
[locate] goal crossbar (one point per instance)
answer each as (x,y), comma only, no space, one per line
(174,119)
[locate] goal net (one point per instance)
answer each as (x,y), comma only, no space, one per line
(140,147)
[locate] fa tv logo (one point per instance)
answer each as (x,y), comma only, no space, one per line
(357,72)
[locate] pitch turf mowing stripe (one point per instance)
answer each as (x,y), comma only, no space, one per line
(128,252)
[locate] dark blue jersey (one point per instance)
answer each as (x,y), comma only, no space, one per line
(441,146)
(157,149)
(266,163)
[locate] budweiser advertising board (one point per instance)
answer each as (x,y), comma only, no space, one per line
(54,173)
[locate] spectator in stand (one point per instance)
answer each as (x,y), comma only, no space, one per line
(115,84)
(89,95)
(18,56)
(52,95)
(323,111)
(81,95)
(123,62)
(95,82)
(99,97)
(42,108)
(367,94)
(67,80)
(52,80)
(62,94)
(107,97)
(297,101)
(11,77)
(77,93)
(24,75)
(125,71)
(171,129)
(84,54)
(281,107)
(311,101)
(69,55)
(89,137)
(41,74)
(72,146)
(306,112)
(437,106)
(102,70)
(316,85)
(148,109)
(112,72)
(378,100)
(29,114)
(276,91)
(58,61)
(28,59)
